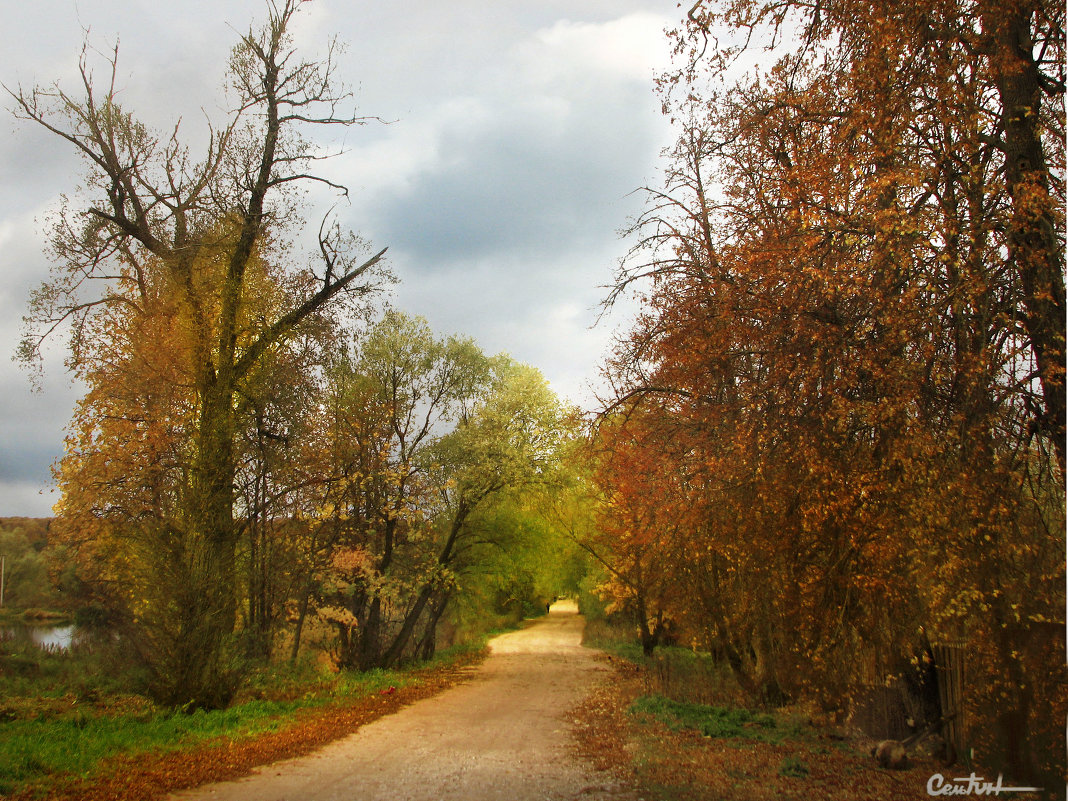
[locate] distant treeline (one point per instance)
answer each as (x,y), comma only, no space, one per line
(26,583)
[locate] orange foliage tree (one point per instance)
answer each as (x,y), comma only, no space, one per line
(640,519)
(853,335)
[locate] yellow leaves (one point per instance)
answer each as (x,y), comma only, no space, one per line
(337,615)
(351,559)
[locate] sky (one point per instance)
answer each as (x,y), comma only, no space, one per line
(515,134)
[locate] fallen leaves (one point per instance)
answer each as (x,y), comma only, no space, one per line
(688,766)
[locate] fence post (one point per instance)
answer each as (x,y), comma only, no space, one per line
(949,661)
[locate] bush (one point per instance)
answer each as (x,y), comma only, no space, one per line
(691,677)
(677,673)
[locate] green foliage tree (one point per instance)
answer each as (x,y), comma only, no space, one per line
(510,441)
(399,391)
(435,433)
(26,578)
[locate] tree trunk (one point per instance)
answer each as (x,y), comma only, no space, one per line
(196,670)
(649,637)
(405,633)
(295,650)
(1035,253)
(428,645)
(370,653)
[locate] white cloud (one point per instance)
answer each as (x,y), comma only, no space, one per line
(630,47)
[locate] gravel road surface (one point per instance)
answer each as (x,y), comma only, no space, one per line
(502,735)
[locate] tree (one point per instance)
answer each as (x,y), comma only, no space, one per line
(26,584)
(182,233)
(974,91)
(283,478)
(396,395)
(509,441)
(434,432)
(844,331)
(641,515)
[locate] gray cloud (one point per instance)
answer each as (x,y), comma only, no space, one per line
(31,436)
(523,182)
(518,131)
(28,449)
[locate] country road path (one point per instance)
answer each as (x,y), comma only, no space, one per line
(503,734)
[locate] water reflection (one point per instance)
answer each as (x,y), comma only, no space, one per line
(51,638)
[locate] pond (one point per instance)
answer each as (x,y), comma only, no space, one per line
(46,637)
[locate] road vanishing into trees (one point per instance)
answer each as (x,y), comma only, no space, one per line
(503,734)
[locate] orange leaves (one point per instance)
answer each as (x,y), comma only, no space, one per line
(351,559)
(851,439)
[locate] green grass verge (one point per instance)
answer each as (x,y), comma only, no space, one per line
(69,742)
(711,721)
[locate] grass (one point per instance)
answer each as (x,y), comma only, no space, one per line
(33,749)
(50,729)
(711,721)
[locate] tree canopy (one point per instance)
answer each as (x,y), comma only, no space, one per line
(162,281)
(849,367)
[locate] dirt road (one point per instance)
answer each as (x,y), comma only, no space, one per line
(501,735)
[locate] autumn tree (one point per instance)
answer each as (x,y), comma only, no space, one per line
(168,243)
(854,325)
(640,505)
(283,479)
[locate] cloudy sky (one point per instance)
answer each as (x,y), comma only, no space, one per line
(518,130)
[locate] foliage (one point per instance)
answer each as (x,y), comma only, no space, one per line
(169,283)
(26,581)
(838,424)
(436,444)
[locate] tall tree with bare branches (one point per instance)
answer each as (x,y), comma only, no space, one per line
(161,220)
